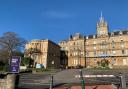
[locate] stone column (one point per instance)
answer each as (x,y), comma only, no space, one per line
(11,81)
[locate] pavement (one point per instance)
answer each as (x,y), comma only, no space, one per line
(89,87)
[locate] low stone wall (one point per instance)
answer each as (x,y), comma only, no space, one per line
(2,83)
(8,82)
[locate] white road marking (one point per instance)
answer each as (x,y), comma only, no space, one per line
(93,76)
(35,83)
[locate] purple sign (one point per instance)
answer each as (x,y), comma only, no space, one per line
(15,64)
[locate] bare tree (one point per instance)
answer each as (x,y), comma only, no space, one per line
(10,41)
(32,53)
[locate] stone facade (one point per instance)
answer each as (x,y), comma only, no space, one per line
(75,50)
(48,53)
(92,49)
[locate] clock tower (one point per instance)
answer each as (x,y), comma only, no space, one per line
(102,27)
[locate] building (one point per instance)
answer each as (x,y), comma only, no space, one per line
(74,51)
(44,52)
(91,50)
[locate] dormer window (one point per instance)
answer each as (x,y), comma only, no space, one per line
(94,36)
(112,34)
(120,33)
(86,37)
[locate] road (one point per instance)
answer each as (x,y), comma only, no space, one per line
(41,81)
(33,81)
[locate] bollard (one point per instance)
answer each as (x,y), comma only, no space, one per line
(122,81)
(10,81)
(51,82)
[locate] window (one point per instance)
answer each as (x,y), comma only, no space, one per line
(78,43)
(94,46)
(124,61)
(66,48)
(113,44)
(103,45)
(95,61)
(112,34)
(86,43)
(122,44)
(94,36)
(120,32)
(87,53)
(76,53)
(94,53)
(86,37)
(104,52)
(94,42)
(113,61)
(123,52)
(114,52)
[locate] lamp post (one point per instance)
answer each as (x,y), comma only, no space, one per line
(82,80)
(51,77)
(52,64)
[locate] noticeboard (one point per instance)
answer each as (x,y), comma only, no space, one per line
(14,64)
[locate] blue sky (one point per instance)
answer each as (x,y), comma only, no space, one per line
(57,19)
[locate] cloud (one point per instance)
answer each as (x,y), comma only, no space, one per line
(57,14)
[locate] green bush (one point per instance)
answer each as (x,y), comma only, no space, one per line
(103,64)
(27,61)
(4,68)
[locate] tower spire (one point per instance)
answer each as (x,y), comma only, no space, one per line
(101,15)
(101,18)
(102,27)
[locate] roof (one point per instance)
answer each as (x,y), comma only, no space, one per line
(120,32)
(114,33)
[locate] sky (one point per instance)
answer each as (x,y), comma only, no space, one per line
(56,20)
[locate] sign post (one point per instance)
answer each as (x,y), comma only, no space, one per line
(14,64)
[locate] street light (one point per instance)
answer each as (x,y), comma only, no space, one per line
(52,64)
(51,77)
